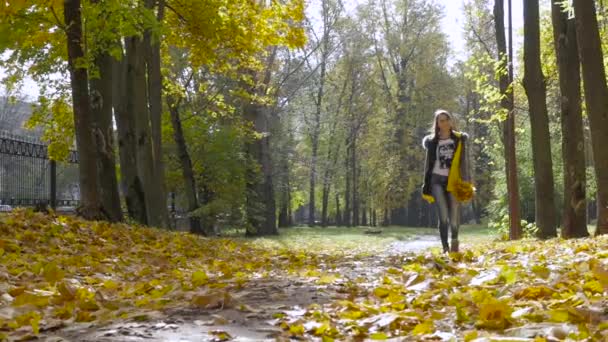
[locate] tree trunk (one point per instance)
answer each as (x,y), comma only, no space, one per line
(101,109)
(386,219)
(283,216)
(338,214)
(325,203)
(573,151)
(91,205)
(326,186)
(156,208)
(186,164)
(363,215)
(374,218)
(285,212)
(347,199)
(509,127)
(260,200)
(158,196)
(124,86)
(355,181)
(101,94)
(332,161)
(534,85)
(313,171)
(596,99)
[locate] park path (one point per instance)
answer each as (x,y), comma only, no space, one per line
(253,309)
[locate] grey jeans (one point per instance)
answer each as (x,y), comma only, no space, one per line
(447,209)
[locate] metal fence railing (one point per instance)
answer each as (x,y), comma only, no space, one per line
(29,178)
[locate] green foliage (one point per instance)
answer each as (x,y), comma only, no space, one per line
(486,85)
(56,119)
(501,226)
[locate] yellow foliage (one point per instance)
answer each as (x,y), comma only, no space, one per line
(494,314)
(423,328)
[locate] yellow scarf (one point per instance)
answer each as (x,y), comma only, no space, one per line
(454,175)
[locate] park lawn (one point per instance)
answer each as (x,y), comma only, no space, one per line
(354,239)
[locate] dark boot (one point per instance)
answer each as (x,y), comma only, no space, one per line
(443,233)
(454,246)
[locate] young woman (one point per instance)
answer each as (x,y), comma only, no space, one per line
(446,175)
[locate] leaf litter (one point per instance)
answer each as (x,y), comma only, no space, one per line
(67,278)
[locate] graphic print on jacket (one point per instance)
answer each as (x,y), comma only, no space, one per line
(445,154)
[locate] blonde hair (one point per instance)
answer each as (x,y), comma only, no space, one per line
(435,128)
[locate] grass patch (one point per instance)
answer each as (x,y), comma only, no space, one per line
(353,239)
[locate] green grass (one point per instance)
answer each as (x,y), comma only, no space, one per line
(344,239)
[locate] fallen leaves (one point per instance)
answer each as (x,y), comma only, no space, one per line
(68,270)
(496,292)
(59,270)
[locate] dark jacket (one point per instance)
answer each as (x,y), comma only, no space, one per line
(429,142)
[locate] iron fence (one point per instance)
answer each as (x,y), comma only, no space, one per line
(29,178)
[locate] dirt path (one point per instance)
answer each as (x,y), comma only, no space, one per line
(251,313)
(419,244)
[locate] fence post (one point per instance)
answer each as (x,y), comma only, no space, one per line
(53,194)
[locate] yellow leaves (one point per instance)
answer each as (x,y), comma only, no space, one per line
(601,274)
(470,335)
(67,291)
(221,335)
(212,300)
(297,329)
(52,273)
(508,275)
(534,292)
(12,7)
(84,316)
(541,271)
(426,327)
(378,336)
(64,312)
(352,314)
(199,278)
(593,286)
(110,285)
(381,292)
(33,298)
(16,291)
(417,296)
(31,318)
(494,314)
(560,315)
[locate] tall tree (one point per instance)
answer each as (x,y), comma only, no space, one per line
(131,183)
(261,205)
(91,206)
(158,214)
(330,14)
(574,221)
(596,99)
(507,104)
(534,84)
(190,187)
(101,105)
(333,152)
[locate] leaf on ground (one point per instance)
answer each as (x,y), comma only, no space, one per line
(426,327)
(601,274)
(212,300)
(378,336)
(52,273)
(221,335)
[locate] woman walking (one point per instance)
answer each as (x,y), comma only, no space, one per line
(446,175)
